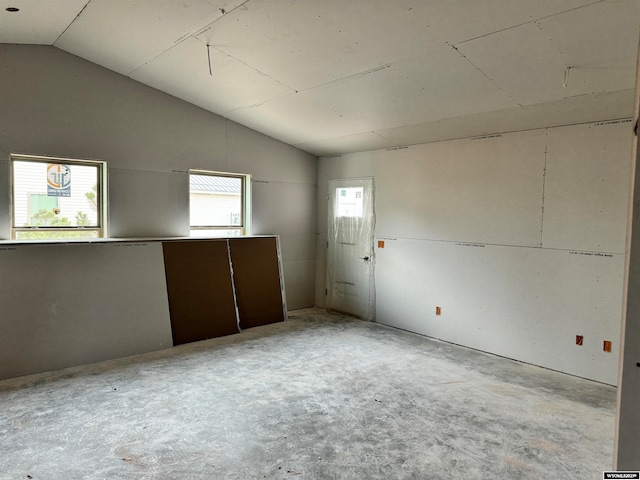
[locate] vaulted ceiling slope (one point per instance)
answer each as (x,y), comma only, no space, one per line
(336,76)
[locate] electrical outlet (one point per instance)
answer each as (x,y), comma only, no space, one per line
(579,340)
(607,346)
(438,311)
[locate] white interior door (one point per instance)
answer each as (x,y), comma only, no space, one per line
(350,256)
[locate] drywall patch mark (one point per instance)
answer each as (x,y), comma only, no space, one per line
(477,245)
(596,94)
(591,254)
(391,149)
(181,38)
(612,122)
(544,183)
(204,30)
(483,137)
(565,82)
(374,70)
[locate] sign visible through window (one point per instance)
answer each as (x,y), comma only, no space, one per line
(56,198)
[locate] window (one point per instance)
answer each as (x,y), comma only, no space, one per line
(219,204)
(57,198)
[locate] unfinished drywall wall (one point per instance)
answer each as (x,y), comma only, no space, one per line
(56,104)
(284,193)
(66,304)
(200,290)
(518,238)
(256,281)
(626,452)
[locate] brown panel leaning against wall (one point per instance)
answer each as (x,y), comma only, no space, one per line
(200,290)
(256,275)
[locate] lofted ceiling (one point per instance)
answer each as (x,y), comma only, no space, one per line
(337,76)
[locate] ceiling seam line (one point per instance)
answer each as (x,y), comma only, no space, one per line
(71,23)
(529,22)
(473,64)
(454,45)
(509,245)
(491,80)
(200,31)
(375,132)
(293,90)
(181,40)
(544,184)
(375,69)
(504,132)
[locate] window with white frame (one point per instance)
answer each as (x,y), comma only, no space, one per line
(219,204)
(57,198)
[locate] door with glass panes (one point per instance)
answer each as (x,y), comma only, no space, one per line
(350,256)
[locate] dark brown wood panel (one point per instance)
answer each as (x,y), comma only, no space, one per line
(200,290)
(256,275)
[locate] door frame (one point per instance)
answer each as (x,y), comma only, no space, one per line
(369,184)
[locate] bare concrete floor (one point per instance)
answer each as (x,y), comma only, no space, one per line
(318,397)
